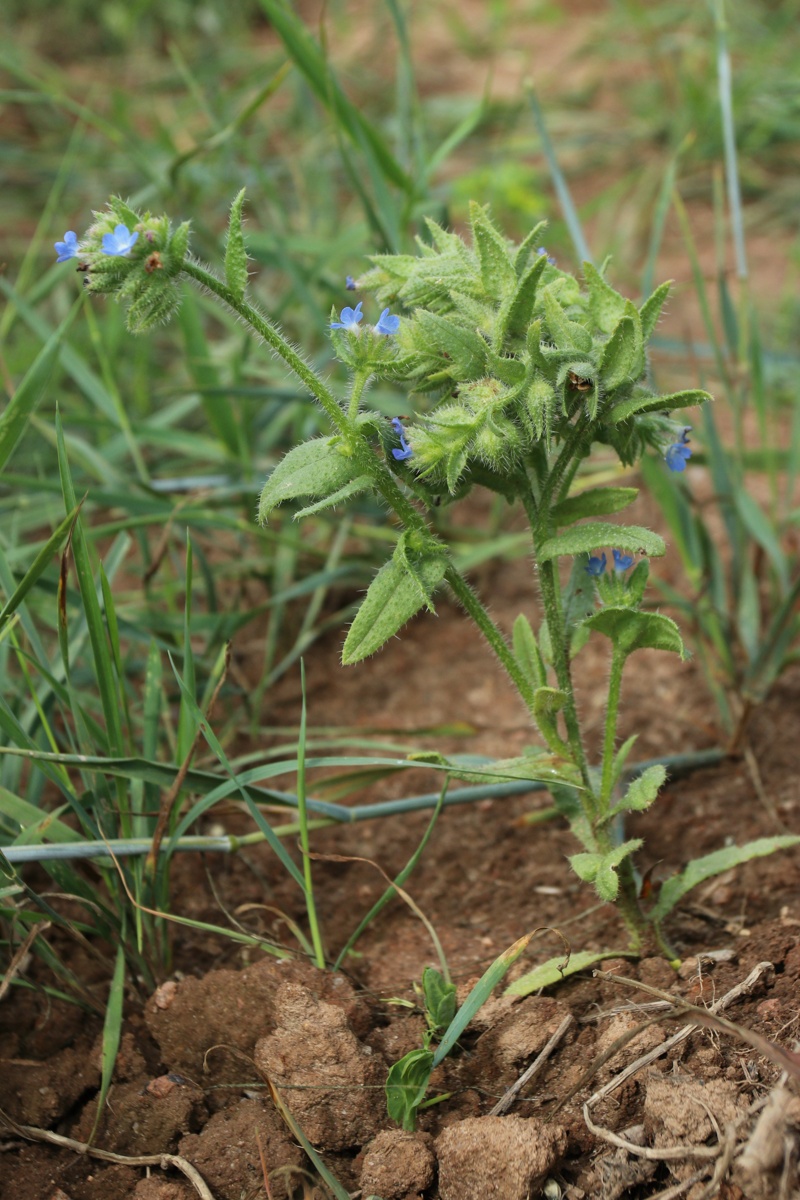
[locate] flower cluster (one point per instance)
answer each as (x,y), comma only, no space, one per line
(133,256)
(350,319)
(596,566)
(116,245)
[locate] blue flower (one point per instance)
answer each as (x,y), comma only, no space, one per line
(541,250)
(678,454)
(350,283)
(350,318)
(622,561)
(68,248)
(387,324)
(120,242)
(596,566)
(405,450)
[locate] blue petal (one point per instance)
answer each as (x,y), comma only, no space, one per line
(622,561)
(387,324)
(68,248)
(677,456)
(596,566)
(350,318)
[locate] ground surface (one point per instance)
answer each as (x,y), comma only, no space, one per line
(487,877)
(190,1077)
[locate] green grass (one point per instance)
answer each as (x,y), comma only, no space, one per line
(129,552)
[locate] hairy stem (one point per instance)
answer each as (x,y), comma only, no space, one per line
(609,741)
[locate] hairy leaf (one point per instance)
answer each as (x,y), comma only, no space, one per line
(584,539)
(714,864)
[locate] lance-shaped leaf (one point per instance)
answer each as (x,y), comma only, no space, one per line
(497,270)
(601,869)
(566,334)
(621,354)
(647,403)
(526,652)
(401,588)
(651,309)
(315,468)
(585,539)
(556,969)
(479,995)
(462,350)
(440,999)
(714,864)
(361,484)
(594,502)
(630,630)
(642,791)
(606,306)
(520,308)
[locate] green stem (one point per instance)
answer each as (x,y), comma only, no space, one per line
(609,741)
(275,340)
(341,421)
(305,845)
(359,383)
(548,586)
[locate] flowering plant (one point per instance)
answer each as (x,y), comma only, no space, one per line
(517,372)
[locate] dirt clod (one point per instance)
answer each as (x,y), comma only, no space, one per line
(331,1081)
(497,1158)
(398,1165)
(227,1152)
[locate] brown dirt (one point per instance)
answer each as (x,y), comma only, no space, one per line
(190,1077)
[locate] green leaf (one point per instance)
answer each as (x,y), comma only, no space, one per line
(586,865)
(584,539)
(440,999)
(619,360)
(556,969)
(763,531)
(606,306)
(28,394)
(479,995)
(651,309)
(630,630)
(497,269)
(361,484)
(601,869)
(39,564)
(315,468)
(520,309)
(526,652)
(642,791)
(594,502)
(567,335)
(112,1029)
(648,403)
(714,864)
(399,590)
(235,253)
(406,1086)
(547,703)
(466,350)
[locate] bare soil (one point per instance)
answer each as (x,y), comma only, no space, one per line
(191,1076)
(712,1115)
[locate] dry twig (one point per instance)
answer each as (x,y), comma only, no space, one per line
(508,1097)
(31,1133)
